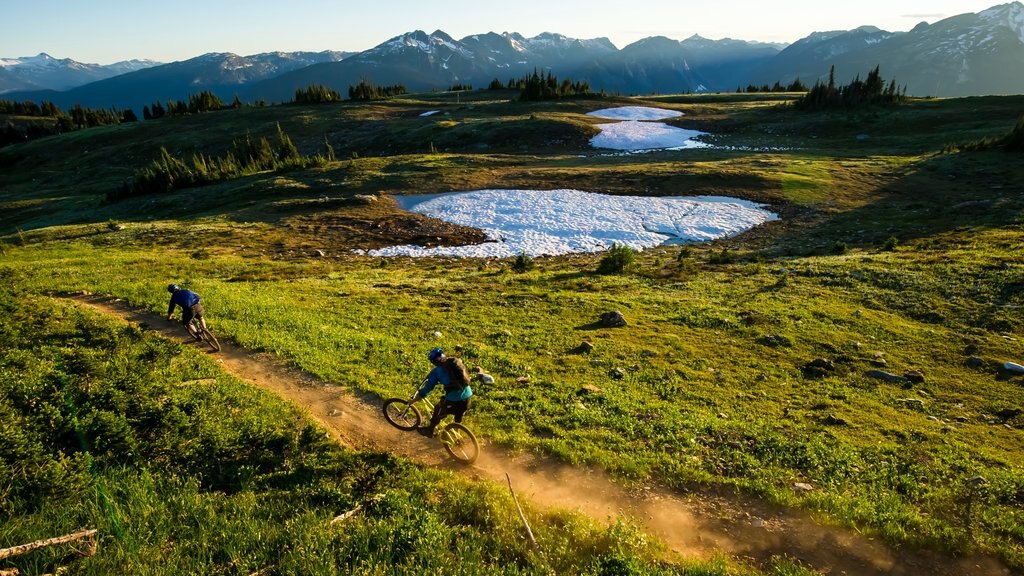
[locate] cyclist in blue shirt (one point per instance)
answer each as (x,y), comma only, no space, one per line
(452,375)
(190,308)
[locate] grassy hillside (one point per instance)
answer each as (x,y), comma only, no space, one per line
(890,256)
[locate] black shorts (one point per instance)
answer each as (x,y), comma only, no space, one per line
(187,314)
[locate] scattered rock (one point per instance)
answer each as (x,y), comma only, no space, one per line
(334,413)
(723,415)
(585,347)
(977,482)
(1008,413)
(775,340)
(833,420)
(960,419)
(613,319)
(818,368)
(802,487)
(912,403)
(976,361)
(365,198)
(617,373)
(762,377)
(523,380)
(437,334)
(858,313)
(1013,367)
(915,376)
(597,362)
(882,375)
(485,378)
(934,419)
(590,389)
(880,362)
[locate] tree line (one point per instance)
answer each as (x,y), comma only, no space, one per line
(794,86)
(247,156)
(47,119)
(858,93)
(545,86)
(204,101)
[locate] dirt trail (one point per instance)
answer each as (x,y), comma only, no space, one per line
(698,525)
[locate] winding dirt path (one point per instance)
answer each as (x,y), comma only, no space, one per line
(693,524)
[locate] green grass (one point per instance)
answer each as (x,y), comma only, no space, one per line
(710,399)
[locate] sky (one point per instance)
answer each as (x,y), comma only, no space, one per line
(108,31)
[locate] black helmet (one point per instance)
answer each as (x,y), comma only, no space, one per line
(172,288)
(435,354)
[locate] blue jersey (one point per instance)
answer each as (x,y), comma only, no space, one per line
(452,393)
(184,298)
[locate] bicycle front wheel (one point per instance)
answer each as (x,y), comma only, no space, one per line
(210,339)
(401,414)
(460,442)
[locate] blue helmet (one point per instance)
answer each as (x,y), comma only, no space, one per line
(172,288)
(435,354)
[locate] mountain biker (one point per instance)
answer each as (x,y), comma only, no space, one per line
(452,375)
(190,308)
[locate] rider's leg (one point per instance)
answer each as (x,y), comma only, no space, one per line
(186,318)
(439,412)
(457,409)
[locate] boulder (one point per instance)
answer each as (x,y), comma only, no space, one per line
(318,254)
(590,389)
(802,487)
(912,403)
(833,420)
(883,375)
(775,340)
(585,347)
(617,373)
(915,376)
(1013,367)
(613,319)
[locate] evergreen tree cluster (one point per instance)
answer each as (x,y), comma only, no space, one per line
(460,87)
(48,120)
(857,94)
(316,94)
(545,86)
(496,85)
(365,90)
(247,156)
(204,101)
(794,86)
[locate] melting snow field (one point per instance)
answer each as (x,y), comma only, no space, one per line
(635,113)
(635,133)
(554,222)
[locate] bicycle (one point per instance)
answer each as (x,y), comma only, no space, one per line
(203,334)
(458,441)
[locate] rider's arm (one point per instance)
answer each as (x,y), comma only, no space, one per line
(170,309)
(428,385)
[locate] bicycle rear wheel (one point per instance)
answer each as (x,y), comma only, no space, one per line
(460,442)
(210,339)
(401,414)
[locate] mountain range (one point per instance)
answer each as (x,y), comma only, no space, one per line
(963,55)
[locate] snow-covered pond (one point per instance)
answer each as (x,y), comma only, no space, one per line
(637,132)
(551,222)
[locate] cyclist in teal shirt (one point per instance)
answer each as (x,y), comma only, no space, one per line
(452,375)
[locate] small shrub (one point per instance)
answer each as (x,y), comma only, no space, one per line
(523,263)
(723,257)
(839,247)
(684,253)
(890,244)
(617,259)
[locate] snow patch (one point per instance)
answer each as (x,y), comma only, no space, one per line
(634,135)
(537,223)
(635,113)
(430,113)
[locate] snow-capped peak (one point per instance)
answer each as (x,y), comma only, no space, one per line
(1011,15)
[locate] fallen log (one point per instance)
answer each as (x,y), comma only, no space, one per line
(26,548)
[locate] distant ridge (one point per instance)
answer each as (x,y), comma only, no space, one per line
(968,54)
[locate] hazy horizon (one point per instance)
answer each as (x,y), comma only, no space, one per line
(109,31)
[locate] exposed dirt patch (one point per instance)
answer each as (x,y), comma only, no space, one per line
(693,524)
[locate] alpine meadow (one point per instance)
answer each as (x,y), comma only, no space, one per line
(834,390)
